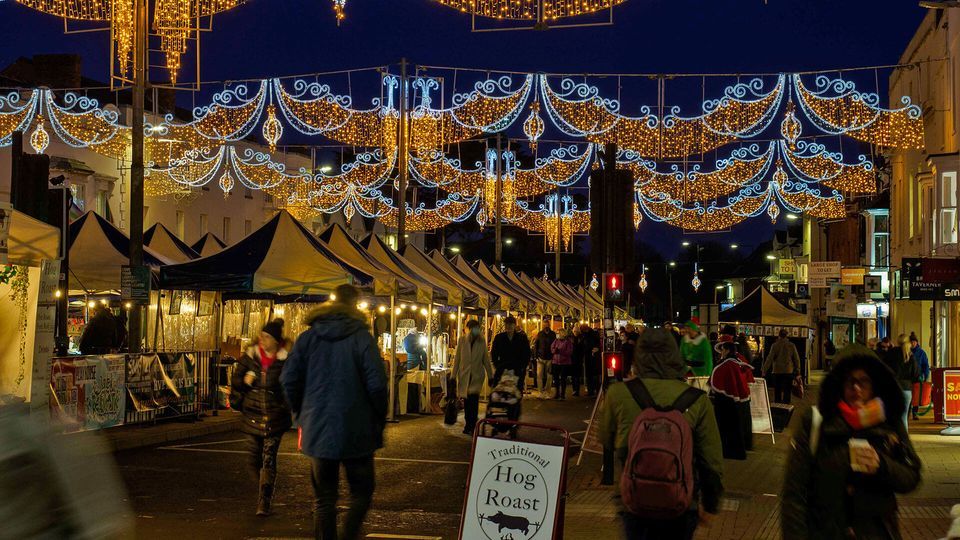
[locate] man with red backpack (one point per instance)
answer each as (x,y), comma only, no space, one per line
(665,435)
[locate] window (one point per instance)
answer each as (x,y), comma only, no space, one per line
(203,225)
(267,198)
(103,203)
(247,227)
(226,230)
(247,193)
(947,225)
(180,225)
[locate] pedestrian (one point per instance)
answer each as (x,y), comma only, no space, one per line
(471,369)
(510,351)
(591,359)
(659,372)
(696,350)
(255,390)
(922,371)
(543,354)
(783,362)
(416,353)
(576,367)
(850,456)
(730,387)
(884,346)
(562,349)
(829,351)
(903,364)
(122,335)
(336,385)
(100,334)
(630,337)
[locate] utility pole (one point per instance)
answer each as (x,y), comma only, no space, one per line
(402,158)
(136,166)
(498,207)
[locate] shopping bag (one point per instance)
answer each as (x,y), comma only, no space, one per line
(798,387)
(921,394)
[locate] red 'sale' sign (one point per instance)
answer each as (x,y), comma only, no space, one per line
(951,395)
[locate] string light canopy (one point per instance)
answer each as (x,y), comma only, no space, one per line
(175,23)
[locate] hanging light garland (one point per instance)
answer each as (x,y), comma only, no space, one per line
(530,10)
(39,139)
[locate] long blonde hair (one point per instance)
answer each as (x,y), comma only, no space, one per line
(904,344)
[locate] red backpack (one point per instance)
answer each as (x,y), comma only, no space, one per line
(657,479)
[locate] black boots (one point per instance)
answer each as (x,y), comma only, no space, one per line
(267,478)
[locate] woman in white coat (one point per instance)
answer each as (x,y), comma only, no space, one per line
(471,369)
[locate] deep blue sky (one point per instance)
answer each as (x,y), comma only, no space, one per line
(268,38)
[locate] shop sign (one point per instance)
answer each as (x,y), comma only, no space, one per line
(822,273)
(951,395)
(513,490)
(918,287)
(852,276)
(883,309)
(135,284)
(940,270)
(866,311)
(872,284)
(787,267)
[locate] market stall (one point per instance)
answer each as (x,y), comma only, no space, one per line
(761,317)
(165,243)
(208,244)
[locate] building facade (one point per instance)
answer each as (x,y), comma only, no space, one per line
(923,215)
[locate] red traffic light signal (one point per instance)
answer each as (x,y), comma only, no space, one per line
(613,361)
(613,287)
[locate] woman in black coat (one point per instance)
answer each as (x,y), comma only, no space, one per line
(851,456)
(257,393)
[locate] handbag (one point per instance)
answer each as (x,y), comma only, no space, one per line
(921,394)
(797,388)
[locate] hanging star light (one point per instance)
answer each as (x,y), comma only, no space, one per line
(696,278)
(594,284)
(790,128)
(39,139)
(533,126)
(643,280)
(348,211)
(637,216)
(272,128)
(774,212)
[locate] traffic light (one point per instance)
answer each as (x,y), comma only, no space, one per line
(613,287)
(613,362)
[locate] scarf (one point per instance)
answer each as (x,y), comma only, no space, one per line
(867,416)
(265,359)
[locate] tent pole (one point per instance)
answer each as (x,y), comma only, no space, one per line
(486,325)
(218,342)
(391,412)
(156,324)
(428,384)
(456,340)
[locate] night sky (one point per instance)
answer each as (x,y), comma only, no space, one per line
(270,38)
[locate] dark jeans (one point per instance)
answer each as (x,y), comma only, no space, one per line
(326,484)
(681,528)
(782,386)
(471,408)
(560,373)
(593,375)
(262,453)
(576,376)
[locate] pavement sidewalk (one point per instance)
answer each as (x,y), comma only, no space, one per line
(750,506)
(140,435)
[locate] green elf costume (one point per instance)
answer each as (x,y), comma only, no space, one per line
(696,350)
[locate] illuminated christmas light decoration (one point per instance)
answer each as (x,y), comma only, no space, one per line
(643,279)
(272,128)
(637,216)
(696,278)
(594,284)
(16,113)
(812,162)
(348,211)
(580,111)
(533,126)
(82,123)
(39,139)
(774,212)
(837,108)
(790,127)
(530,10)
(338,8)
(175,22)
(226,184)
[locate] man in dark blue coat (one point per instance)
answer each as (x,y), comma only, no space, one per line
(337,388)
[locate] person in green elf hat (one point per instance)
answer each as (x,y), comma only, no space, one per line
(695,350)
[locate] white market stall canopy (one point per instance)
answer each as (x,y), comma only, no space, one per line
(97,252)
(280,257)
(164,242)
(761,307)
(31,240)
(208,244)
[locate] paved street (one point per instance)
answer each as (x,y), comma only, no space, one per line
(199,488)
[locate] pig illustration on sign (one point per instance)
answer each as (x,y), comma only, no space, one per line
(504,521)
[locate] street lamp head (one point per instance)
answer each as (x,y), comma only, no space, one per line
(673,263)
(685,243)
(721,287)
(508,241)
(454,249)
(771,257)
(792,217)
(734,246)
